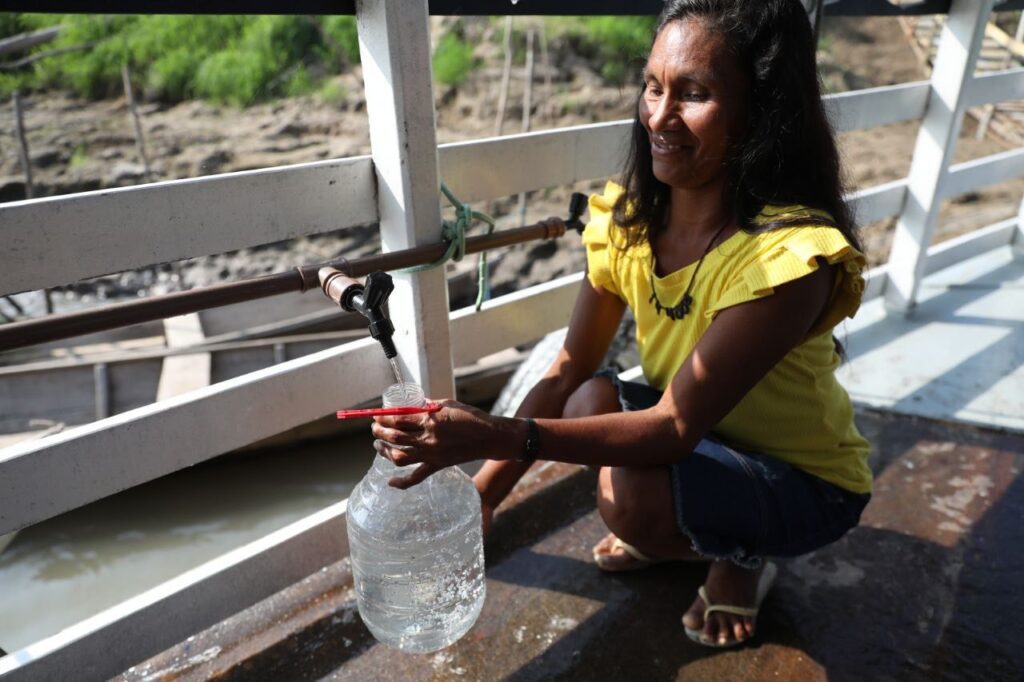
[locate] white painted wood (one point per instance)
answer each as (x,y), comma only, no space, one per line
(110,642)
(58,240)
(988,170)
(514,319)
(870,107)
(874,283)
(53,241)
(1001,86)
(101,389)
(183,373)
(955,60)
(394,46)
(968,245)
(41,479)
(878,202)
(1018,237)
(505,166)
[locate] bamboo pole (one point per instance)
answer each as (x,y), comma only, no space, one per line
(527,107)
(26,165)
(140,141)
(19,131)
(506,77)
(546,64)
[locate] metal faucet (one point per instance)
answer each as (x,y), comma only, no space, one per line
(366,299)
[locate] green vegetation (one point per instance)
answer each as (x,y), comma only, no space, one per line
(453,60)
(618,44)
(242,60)
(234,59)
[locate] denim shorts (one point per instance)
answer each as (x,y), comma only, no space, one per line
(744,506)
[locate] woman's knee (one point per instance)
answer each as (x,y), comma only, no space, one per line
(594,396)
(636,504)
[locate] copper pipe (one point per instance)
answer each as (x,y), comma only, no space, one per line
(301,279)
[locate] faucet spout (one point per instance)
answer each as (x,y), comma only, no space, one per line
(367,299)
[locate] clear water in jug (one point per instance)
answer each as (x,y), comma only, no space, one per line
(417,554)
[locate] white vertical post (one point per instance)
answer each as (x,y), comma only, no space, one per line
(955,60)
(394,45)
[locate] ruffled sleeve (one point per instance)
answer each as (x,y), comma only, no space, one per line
(596,238)
(791,254)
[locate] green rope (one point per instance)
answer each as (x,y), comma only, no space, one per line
(455,234)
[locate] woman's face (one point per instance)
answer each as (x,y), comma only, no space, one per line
(694,104)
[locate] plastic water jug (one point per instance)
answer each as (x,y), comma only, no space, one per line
(417,554)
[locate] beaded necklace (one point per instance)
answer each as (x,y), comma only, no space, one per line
(679,310)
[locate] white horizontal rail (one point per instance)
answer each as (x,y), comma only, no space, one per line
(878,202)
(972,244)
(513,319)
(40,479)
(988,170)
(108,643)
(1001,86)
(870,107)
(874,283)
(58,240)
(43,478)
(503,166)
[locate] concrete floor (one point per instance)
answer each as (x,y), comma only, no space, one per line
(928,587)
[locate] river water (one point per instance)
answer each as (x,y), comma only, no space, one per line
(58,572)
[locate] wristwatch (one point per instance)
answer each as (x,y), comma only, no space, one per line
(532,448)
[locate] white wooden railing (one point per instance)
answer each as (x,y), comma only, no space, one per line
(49,242)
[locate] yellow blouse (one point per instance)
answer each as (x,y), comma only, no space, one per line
(798,412)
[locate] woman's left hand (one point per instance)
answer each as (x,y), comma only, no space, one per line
(455,434)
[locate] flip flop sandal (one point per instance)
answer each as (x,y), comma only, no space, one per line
(608,562)
(764,583)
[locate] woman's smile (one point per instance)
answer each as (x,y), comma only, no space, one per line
(662,145)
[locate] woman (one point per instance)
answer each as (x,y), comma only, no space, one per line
(729,240)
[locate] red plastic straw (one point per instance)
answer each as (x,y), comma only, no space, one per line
(388,411)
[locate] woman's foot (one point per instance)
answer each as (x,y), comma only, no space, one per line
(729,584)
(613,555)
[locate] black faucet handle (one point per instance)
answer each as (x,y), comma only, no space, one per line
(577,204)
(377,289)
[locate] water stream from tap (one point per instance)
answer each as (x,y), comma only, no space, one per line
(397,372)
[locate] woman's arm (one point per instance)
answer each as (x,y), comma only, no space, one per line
(592,326)
(741,345)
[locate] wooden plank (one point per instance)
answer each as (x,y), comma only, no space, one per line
(183,373)
(968,245)
(878,202)
(394,47)
(505,166)
(1001,86)
(870,107)
(961,40)
(58,240)
(513,319)
(39,480)
(988,170)
(874,283)
(108,643)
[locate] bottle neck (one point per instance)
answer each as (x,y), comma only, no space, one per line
(405,394)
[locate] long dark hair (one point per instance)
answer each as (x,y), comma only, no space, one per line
(788,154)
